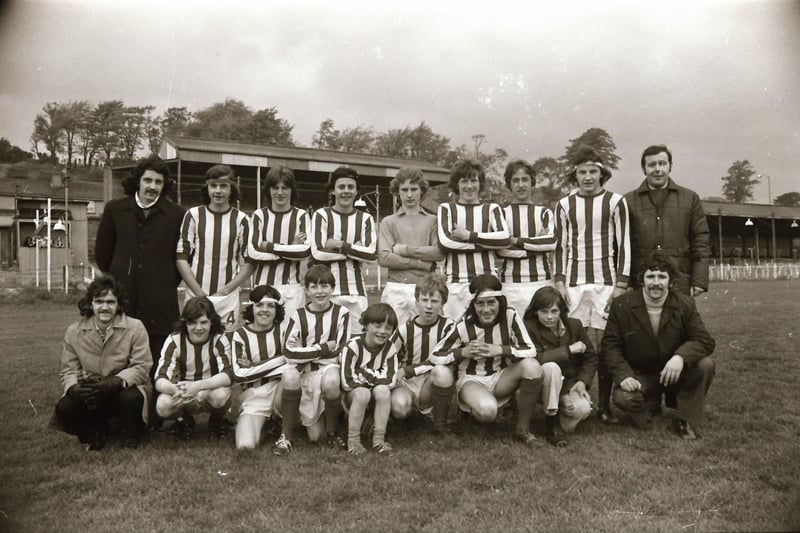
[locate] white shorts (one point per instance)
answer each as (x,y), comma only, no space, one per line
(294,297)
(489,382)
(259,401)
(518,295)
(458,300)
(588,304)
(201,402)
(227,308)
(415,384)
(401,297)
(312,405)
(356,305)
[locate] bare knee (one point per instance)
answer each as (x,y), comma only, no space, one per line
(530,368)
(485,409)
(218,398)
(330,384)
(402,403)
(165,407)
(290,379)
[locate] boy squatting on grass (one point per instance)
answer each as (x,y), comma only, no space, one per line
(495,358)
(194,372)
(258,362)
(369,371)
(421,386)
(315,337)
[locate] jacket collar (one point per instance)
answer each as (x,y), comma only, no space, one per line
(639,310)
(644,188)
(120,321)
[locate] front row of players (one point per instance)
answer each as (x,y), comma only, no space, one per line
(306,368)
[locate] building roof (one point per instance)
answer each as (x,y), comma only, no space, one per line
(730,209)
(248,154)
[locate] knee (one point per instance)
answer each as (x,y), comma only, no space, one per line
(551,371)
(442,376)
(705,367)
(165,407)
(485,410)
(381,393)
(245,441)
(290,379)
(401,403)
(360,396)
(629,401)
(218,398)
(330,385)
(530,368)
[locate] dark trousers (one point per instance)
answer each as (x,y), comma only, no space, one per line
(75,418)
(689,392)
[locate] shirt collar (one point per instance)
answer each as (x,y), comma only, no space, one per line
(143,206)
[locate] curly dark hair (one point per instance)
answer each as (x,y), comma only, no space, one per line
(100,286)
(195,308)
(464,168)
(256,295)
(658,261)
(131,183)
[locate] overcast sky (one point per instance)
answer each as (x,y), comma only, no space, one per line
(715,81)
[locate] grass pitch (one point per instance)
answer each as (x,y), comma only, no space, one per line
(743,475)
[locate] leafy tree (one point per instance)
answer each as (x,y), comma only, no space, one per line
(152,130)
(551,184)
(419,143)
(269,129)
(174,121)
(132,131)
(12,153)
(232,120)
(789,199)
(73,117)
(359,139)
(228,120)
(597,138)
(47,129)
(105,128)
(738,184)
(326,137)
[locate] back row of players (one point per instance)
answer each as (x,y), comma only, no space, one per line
(589,237)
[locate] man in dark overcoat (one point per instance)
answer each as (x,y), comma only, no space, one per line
(136,244)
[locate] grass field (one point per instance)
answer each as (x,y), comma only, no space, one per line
(743,475)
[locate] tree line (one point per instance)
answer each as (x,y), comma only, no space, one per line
(79,132)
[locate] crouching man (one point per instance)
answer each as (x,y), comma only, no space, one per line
(655,342)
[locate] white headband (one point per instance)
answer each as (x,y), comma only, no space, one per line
(488,294)
(267,299)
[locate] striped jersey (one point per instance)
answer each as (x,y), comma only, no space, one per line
(488,232)
(308,331)
(509,332)
(213,244)
(594,240)
(417,343)
(271,245)
(182,360)
(533,235)
(362,367)
(257,356)
(357,230)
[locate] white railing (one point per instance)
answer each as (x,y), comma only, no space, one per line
(771,271)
